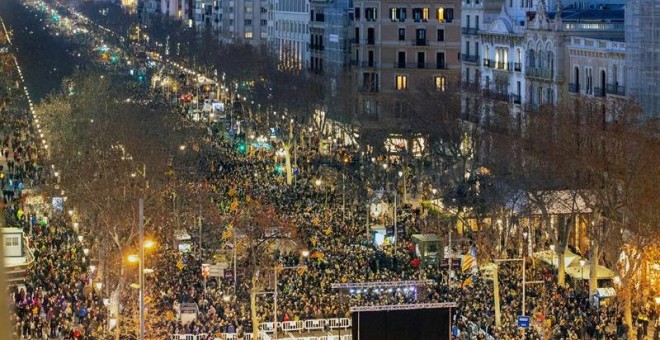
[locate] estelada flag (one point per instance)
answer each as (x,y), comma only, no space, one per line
(467,282)
(180,265)
(470,260)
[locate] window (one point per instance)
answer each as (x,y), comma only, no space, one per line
(440,14)
(421,60)
(370,14)
(441,83)
(248,35)
(425,14)
(11,241)
(401,82)
(441,35)
(401,59)
(398,14)
(248,22)
(248,9)
(357,13)
(264,23)
(402,34)
(398,108)
(440,60)
(449,15)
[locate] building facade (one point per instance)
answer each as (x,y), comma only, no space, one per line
(400,47)
(643,54)
(245,21)
(289,34)
(519,54)
(597,67)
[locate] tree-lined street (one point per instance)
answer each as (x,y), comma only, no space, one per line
(238,170)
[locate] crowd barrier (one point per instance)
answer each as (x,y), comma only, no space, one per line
(234,336)
(267,328)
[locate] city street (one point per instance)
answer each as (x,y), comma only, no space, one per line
(258,223)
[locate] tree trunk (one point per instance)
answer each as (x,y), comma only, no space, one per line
(593,273)
(627,312)
(253,308)
(289,169)
(561,268)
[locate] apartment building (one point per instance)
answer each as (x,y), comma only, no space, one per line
(399,47)
(245,21)
(289,34)
(597,67)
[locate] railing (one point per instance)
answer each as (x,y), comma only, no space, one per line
(515,98)
(287,326)
(497,95)
(616,89)
(502,66)
(368,64)
(599,92)
(488,63)
(419,42)
(574,88)
(470,30)
(471,86)
(541,73)
(415,65)
(470,58)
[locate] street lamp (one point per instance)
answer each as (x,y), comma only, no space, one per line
(139,259)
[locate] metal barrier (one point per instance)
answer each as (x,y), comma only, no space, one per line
(286,326)
(339,323)
(315,324)
(292,326)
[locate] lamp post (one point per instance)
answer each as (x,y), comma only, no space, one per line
(140,260)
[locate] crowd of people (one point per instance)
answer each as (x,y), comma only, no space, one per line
(59,300)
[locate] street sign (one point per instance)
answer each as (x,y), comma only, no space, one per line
(523,321)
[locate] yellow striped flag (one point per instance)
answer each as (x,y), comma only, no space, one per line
(467,282)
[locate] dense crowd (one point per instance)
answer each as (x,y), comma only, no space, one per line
(59,301)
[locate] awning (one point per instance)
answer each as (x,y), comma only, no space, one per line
(583,273)
(550,257)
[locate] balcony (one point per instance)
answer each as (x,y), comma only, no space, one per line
(470,30)
(517,67)
(615,89)
(316,47)
(414,65)
(473,87)
(368,89)
(419,42)
(515,98)
(499,96)
(539,73)
(599,92)
(489,63)
(574,88)
(470,58)
(368,64)
(440,66)
(502,66)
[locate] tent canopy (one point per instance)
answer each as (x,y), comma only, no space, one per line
(550,257)
(583,273)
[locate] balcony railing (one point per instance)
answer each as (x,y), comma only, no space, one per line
(500,96)
(489,63)
(440,66)
(616,89)
(574,88)
(540,73)
(470,86)
(517,67)
(515,98)
(470,30)
(470,58)
(419,42)
(599,92)
(368,64)
(502,66)
(415,65)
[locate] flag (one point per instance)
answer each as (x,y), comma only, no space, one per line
(232,192)
(302,270)
(467,282)
(469,260)
(180,265)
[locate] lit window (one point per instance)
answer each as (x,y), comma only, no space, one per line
(441,14)
(441,83)
(248,35)
(425,14)
(401,82)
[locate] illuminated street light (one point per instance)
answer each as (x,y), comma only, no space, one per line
(148,244)
(133,258)
(305,253)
